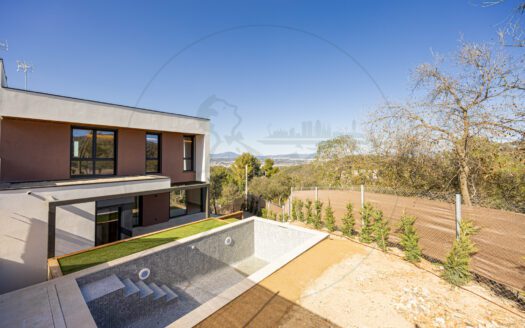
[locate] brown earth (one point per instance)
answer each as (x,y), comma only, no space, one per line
(501,241)
(341,283)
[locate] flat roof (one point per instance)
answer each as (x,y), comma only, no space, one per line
(105,103)
(38,105)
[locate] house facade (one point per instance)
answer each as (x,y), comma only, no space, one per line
(119,169)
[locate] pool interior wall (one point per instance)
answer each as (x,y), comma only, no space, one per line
(196,271)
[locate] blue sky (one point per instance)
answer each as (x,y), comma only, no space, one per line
(262,67)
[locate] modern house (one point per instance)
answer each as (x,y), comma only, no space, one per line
(76,173)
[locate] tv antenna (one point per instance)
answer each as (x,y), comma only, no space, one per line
(21,65)
(4,45)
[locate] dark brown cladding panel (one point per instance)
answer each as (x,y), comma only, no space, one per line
(155,209)
(172,163)
(33,150)
(131,158)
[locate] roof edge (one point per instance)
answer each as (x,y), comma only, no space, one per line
(4,86)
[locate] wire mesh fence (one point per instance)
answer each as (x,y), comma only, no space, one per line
(499,261)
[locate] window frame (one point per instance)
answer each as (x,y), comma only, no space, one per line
(159,153)
(192,158)
(93,158)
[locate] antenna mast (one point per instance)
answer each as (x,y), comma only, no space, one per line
(21,65)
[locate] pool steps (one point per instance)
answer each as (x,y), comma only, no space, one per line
(144,289)
(104,286)
(157,292)
(130,288)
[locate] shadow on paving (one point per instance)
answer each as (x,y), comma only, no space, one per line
(261,307)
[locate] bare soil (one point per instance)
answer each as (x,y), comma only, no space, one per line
(500,242)
(339,282)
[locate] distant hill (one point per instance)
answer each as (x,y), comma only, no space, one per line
(226,155)
(226,158)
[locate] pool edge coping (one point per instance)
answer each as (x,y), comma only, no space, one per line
(211,306)
(68,288)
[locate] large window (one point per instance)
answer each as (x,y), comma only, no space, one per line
(188,153)
(152,153)
(92,152)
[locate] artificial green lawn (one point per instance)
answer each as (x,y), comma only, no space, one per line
(88,259)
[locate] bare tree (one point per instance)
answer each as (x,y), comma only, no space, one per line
(512,33)
(478,92)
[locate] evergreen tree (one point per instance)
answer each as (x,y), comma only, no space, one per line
(457,265)
(294,210)
(329,218)
(309,211)
(299,210)
(348,220)
(317,219)
(381,229)
(367,229)
(410,239)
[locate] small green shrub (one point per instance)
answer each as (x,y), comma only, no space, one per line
(294,210)
(329,218)
(348,220)
(410,239)
(299,210)
(381,229)
(366,229)
(309,211)
(264,213)
(317,219)
(457,264)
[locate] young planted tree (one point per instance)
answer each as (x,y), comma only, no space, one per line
(349,221)
(317,219)
(309,211)
(410,239)
(329,218)
(457,265)
(299,210)
(367,227)
(381,229)
(294,210)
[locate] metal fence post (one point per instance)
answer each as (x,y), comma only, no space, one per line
(458,215)
(290,203)
(316,194)
(362,196)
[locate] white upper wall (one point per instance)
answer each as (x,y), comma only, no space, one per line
(40,106)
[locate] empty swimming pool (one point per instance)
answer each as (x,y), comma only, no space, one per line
(169,284)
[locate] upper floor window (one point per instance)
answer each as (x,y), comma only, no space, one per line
(188,153)
(152,153)
(92,152)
